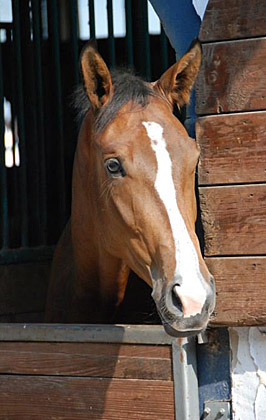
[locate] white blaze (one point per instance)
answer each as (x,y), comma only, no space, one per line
(187,271)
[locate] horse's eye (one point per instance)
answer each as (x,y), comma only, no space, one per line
(114,167)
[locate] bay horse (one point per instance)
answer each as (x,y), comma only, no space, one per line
(133,202)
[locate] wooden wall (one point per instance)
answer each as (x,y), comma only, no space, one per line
(85,380)
(231,132)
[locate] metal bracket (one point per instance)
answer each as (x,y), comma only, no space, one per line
(216,410)
(185,379)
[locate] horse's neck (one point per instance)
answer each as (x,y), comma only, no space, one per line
(99,277)
(83,232)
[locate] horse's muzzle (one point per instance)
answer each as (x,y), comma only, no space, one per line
(182,315)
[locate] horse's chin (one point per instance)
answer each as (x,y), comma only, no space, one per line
(179,333)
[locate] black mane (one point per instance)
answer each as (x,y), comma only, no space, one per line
(127,87)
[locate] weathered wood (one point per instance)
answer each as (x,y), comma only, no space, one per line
(233,151)
(233,20)
(232,77)
(50,398)
(23,287)
(241,290)
(234,219)
(233,148)
(87,359)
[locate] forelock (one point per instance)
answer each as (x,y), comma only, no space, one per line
(127,87)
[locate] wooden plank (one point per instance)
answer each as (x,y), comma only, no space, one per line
(23,287)
(233,20)
(50,398)
(233,148)
(234,219)
(241,290)
(87,359)
(232,77)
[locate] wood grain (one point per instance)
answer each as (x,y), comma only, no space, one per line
(232,77)
(233,148)
(234,219)
(233,151)
(241,290)
(233,20)
(50,398)
(87,359)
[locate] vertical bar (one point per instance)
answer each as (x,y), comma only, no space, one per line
(3,181)
(54,36)
(129,32)
(36,16)
(14,174)
(74,39)
(141,37)
(164,49)
(91,19)
(146,39)
(185,379)
(21,127)
(29,123)
(111,39)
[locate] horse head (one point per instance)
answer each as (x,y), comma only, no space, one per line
(139,180)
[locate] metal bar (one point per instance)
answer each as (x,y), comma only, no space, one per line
(3,179)
(21,127)
(146,39)
(91,19)
(54,35)
(24,255)
(127,334)
(129,32)
(30,121)
(141,38)
(36,16)
(74,40)
(14,239)
(164,49)
(185,379)
(111,39)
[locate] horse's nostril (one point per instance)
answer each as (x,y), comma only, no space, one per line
(176,299)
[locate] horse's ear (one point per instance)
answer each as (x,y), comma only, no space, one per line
(177,82)
(96,76)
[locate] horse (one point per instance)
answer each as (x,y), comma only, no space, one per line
(133,202)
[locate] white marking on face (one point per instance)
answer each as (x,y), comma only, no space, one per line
(187,271)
